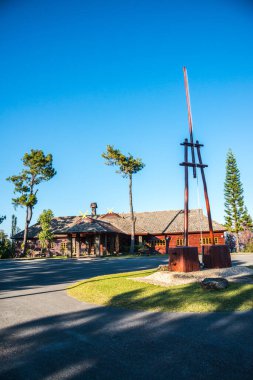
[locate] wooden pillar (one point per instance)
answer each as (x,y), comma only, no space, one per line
(117,244)
(71,247)
(78,246)
(97,245)
(105,245)
(111,248)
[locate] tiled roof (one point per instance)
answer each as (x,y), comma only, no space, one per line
(170,221)
(153,222)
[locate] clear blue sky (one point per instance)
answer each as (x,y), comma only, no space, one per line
(78,75)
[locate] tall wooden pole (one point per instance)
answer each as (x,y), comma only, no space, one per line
(186,195)
(188,101)
(208,209)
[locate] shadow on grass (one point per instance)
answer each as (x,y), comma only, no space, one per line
(189,298)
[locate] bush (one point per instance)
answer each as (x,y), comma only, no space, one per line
(230,241)
(249,246)
(6,251)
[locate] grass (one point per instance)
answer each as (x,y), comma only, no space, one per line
(118,291)
(134,256)
(39,258)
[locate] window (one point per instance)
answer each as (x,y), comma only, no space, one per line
(64,247)
(180,242)
(159,242)
(205,241)
(51,245)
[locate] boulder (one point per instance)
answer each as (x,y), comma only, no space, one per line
(163,268)
(218,283)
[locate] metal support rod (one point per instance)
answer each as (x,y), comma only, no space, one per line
(186,197)
(189,118)
(208,209)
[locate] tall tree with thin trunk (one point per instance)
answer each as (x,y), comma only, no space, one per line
(236,214)
(127,166)
(38,168)
(14,230)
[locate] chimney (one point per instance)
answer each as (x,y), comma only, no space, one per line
(93,206)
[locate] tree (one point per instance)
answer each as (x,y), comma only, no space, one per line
(38,168)
(14,230)
(236,214)
(128,165)
(45,236)
(2,218)
(5,246)
(230,241)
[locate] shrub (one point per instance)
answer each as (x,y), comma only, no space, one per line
(249,246)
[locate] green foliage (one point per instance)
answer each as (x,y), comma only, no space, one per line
(5,246)
(14,230)
(236,215)
(230,241)
(45,235)
(127,165)
(38,168)
(249,246)
(13,225)
(2,218)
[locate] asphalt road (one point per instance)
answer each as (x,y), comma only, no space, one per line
(47,335)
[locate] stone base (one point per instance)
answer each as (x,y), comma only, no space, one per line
(216,256)
(184,259)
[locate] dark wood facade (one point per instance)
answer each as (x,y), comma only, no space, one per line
(110,234)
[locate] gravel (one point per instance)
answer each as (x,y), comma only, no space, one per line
(180,278)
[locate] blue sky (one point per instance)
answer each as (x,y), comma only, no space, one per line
(78,75)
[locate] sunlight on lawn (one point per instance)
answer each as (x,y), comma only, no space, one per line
(119,291)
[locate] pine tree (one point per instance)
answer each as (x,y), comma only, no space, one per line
(38,168)
(128,165)
(236,214)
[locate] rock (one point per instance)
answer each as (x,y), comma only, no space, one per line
(218,283)
(163,268)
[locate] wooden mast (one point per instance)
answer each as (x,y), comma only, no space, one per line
(194,165)
(208,209)
(188,101)
(186,196)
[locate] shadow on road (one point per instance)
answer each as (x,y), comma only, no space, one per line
(107,343)
(17,275)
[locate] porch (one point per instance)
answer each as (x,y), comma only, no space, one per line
(90,244)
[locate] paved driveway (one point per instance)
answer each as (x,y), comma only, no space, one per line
(47,335)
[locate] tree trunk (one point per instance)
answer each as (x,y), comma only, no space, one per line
(27,222)
(237,242)
(132,214)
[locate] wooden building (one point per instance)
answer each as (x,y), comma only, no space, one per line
(110,233)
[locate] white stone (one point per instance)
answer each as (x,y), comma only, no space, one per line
(180,278)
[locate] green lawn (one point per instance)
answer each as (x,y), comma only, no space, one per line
(118,291)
